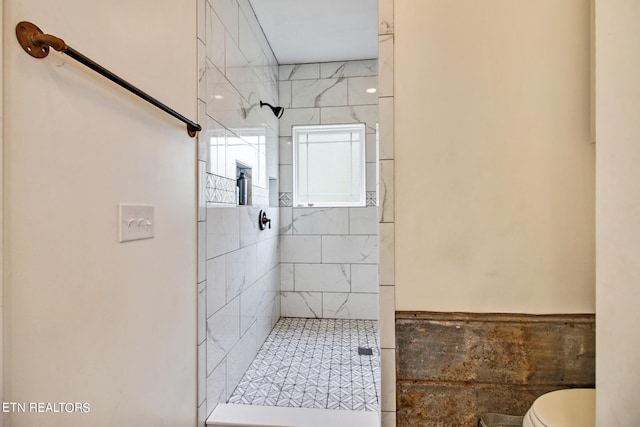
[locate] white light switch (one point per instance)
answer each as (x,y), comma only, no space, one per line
(136,222)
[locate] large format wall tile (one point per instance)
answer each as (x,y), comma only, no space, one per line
(329,93)
(318,93)
(300,249)
(320,220)
(349,306)
(299,71)
(241,270)
(330,70)
(322,277)
(350,249)
(223,231)
(364,278)
(302,304)
(239,301)
(223,332)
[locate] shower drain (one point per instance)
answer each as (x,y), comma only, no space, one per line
(365,351)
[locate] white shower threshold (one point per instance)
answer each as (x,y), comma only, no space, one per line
(236,415)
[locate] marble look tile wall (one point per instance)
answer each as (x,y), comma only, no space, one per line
(329,255)
(386,202)
(329,262)
(238,264)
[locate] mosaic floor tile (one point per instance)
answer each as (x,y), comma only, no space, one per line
(314,363)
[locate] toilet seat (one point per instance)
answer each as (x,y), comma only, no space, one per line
(563,408)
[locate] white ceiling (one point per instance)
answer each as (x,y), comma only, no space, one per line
(302,31)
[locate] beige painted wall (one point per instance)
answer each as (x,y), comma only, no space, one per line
(618,211)
(494,166)
(88,319)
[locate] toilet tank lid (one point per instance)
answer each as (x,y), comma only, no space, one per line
(566,408)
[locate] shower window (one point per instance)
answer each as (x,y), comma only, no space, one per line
(329,165)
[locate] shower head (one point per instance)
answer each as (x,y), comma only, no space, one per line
(277,111)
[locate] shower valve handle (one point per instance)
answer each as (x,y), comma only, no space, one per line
(263,220)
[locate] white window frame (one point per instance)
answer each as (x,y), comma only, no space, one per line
(306,129)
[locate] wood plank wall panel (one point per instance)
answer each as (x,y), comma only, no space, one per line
(452,367)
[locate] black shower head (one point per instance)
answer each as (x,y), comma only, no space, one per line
(277,111)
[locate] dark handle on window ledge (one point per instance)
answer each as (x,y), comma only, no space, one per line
(263,220)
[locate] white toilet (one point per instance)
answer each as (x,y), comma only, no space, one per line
(563,408)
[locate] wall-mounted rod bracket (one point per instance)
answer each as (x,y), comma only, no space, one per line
(37,44)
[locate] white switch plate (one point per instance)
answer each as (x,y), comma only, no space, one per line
(136,222)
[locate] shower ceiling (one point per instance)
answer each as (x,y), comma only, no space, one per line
(302,31)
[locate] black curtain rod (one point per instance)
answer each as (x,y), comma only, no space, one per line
(37,44)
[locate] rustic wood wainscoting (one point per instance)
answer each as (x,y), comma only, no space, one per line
(453,367)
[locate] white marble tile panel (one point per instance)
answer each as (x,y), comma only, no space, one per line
(228,11)
(216,386)
(223,332)
(371,170)
(320,220)
(349,306)
(203,414)
(250,47)
(250,302)
(287,277)
(366,67)
(286,150)
(299,71)
(286,220)
(385,17)
(202,312)
(367,114)
(202,373)
(363,220)
(268,255)
(202,251)
(237,69)
(202,188)
(371,148)
(300,248)
(202,79)
(272,142)
(249,231)
(223,100)
(240,357)
(349,249)
(241,270)
(284,94)
(216,284)
(319,93)
(286,178)
(322,277)
(388,379)
(385,67)
(387,256)
(364,278)
(299,116)
(267,319)
(386,196)
(358,94)
(215,40)
(223,230)
(385,109)
(203,137)
(301,304)
(215,137)
(202,198)
(387,317)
